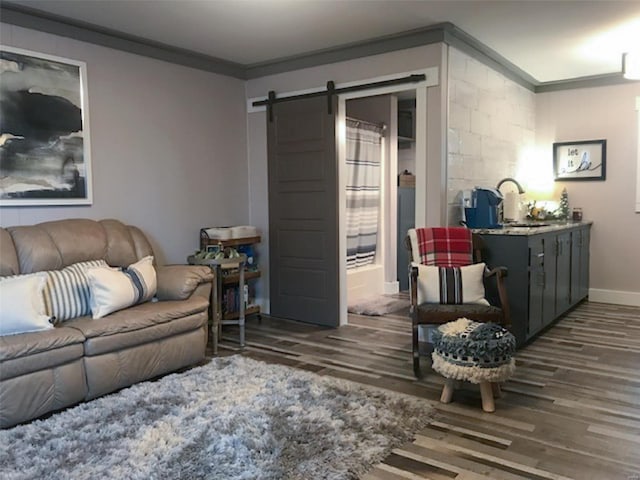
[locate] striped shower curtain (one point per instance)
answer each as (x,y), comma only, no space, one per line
(364,152)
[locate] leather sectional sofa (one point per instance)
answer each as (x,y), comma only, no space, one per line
(83,358)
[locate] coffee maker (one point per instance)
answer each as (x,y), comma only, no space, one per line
(484,211)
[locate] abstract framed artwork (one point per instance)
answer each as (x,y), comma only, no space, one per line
(45,154)
(583,160)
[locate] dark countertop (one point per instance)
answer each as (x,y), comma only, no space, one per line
(531,228)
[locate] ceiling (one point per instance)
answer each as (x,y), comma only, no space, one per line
(549,40)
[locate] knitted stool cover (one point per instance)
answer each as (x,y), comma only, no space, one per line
(474,352)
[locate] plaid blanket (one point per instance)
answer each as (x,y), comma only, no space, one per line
(444,246)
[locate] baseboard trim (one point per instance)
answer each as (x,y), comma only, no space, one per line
(616,297)
(391,287)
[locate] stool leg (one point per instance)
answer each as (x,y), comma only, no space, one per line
(447,391)
(486,393)
(497,393)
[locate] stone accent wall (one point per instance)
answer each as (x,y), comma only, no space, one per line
(491,128)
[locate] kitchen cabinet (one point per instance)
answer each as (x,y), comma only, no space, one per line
(550,282)
(563,272)
(580,267)
(548,272)
(406,221)
(536,284)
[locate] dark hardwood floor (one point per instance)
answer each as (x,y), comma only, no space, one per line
(572,410)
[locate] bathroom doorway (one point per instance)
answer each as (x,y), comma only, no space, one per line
(384,208)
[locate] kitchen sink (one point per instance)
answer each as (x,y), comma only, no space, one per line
(527,225)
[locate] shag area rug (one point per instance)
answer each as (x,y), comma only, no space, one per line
(233,418)
(377,305)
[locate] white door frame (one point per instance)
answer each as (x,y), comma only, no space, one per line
(421,159)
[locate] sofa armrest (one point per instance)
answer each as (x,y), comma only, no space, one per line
(179,282)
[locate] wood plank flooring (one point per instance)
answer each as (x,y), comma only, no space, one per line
(572,410)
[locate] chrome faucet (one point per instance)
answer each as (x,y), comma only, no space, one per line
(509,179)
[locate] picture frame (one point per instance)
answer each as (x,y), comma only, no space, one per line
(45,148)
(581,160)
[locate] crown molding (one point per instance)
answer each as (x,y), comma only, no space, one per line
(604,80)
(86,32)
(375,46)
(446,32)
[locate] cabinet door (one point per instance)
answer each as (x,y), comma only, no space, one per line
(549,280)
(536,285)
(583,288)
(576,263)
(563,273)
(406,221)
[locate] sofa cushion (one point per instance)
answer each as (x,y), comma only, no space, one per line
(26,344)
(8,257)
(54,245)
(40,361)
(35,351)
(140,324)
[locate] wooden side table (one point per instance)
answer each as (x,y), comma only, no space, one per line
(218,266)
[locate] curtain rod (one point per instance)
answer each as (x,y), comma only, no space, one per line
(335,91)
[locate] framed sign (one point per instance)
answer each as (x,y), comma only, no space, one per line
(584,160)
(44,130)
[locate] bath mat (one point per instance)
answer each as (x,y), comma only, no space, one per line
(377,305)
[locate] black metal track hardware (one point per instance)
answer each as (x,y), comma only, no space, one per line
(331,90)
(272,98)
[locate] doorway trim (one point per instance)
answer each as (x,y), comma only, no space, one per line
(431,80)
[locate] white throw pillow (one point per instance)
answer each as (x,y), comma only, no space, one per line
(22,306)
(451,285)
(115,289)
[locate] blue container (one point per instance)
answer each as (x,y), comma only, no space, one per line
(485,214)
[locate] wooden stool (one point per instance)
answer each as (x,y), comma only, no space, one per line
(480,353)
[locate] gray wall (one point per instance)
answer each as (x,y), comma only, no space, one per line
(591,114)
(168,145)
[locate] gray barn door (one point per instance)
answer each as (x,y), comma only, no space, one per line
(303,211)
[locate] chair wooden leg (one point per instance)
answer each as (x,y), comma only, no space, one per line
(416,353)
(497,393)
(486,392)
(447,391)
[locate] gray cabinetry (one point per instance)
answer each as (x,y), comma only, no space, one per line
(536,284)
(406,221)
(563,272)
(548,273)
(580,265)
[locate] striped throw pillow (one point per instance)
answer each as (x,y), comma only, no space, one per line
(451,285)
(115,289)
(66,293)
